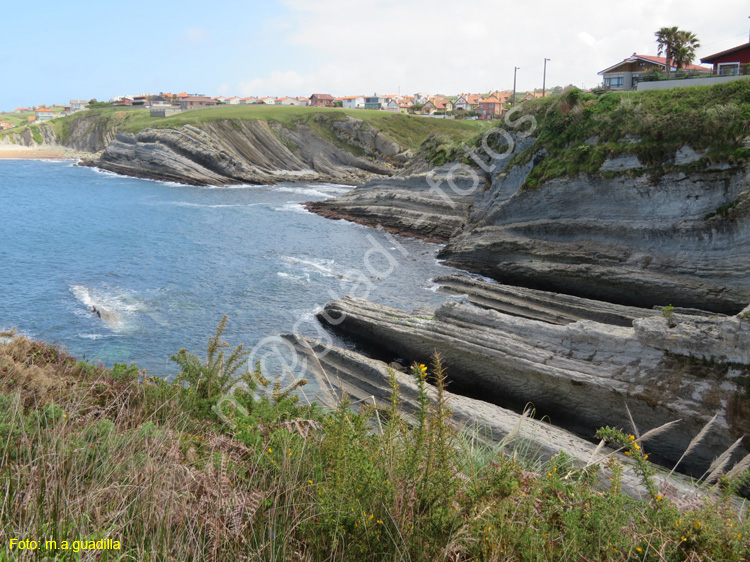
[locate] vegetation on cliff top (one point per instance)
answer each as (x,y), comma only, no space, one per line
(89,453)
(580,131)
(408,131)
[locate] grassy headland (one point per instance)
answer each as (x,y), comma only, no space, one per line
(407,130)
(88,453)
(577,131)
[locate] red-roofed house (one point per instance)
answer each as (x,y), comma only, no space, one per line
(467,102)
(322,100)
(21,110)
(490,108)
(5,125)
(625,75)
(730,62)
(43,114)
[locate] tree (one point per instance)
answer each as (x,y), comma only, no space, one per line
(677,45)
(685,53)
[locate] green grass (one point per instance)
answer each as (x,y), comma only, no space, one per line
(94,453)
(653,125)
(408,131)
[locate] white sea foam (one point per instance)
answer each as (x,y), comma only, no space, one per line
(325,190)
(292,207)
(199,205)
(92,336)
(320,266)
(299,278)
(115,308)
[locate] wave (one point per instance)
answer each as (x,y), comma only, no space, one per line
(326,190)
(115,308)
(320,266)
(303,278)
(200,205)
(292,207)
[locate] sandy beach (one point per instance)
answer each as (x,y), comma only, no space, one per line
(15,151)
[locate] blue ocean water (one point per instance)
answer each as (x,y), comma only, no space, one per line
(163,262)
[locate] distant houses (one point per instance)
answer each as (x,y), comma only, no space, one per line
(5,125)
(463,106)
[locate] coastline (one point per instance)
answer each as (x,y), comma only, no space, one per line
(16,152)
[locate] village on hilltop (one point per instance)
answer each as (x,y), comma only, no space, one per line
(635,72)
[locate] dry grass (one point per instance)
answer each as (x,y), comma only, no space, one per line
(90,453)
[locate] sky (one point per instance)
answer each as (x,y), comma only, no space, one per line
(83,49)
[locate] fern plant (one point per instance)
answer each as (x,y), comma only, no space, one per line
(207,382)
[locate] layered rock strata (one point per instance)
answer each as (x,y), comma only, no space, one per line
(582,374)
(414,205)
(365,380)
(623,236)
(631,240)
(231,152)
(548,307)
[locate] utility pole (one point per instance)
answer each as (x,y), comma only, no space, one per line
(544,77)
(515,69)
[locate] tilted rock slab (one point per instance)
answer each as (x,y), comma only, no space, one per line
(581,374)
(346,372)
(549,307)
(227,152)
(421,205)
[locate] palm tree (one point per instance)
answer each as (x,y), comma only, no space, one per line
(685,53)
(677,45)
(666,38)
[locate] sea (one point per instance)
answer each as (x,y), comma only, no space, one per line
(124,270)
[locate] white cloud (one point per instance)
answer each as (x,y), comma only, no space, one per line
(360,46)
(587,39)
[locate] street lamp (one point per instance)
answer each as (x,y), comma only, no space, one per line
(515,69)
(544,78)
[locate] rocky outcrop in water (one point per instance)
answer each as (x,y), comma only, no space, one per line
(680,238)
(581,374)
(410,205)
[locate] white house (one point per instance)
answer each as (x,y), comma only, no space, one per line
(352,102)
(78,105)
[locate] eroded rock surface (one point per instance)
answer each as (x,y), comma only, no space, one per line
(554,308)
(582,374)
(231,152)
(368,380)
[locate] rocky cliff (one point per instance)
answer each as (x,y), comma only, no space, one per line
(258,146)
(253,151)
(595,205)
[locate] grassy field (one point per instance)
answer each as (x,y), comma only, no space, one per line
(23,118)
(88,454)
